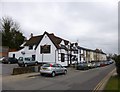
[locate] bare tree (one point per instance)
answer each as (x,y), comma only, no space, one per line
(11,35)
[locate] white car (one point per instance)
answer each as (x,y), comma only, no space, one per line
(1,59)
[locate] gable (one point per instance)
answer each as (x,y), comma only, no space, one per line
(62,42)
(46,41)
(35,40)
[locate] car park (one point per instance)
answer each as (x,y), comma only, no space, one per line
(52,69)
(9,60)
(82,66)
(26,61)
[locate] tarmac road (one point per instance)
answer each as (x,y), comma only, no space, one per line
(73,80)
(7,69)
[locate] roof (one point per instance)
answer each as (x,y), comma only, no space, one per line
(96,50)
(35,40)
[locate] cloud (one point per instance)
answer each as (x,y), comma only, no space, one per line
(93,24)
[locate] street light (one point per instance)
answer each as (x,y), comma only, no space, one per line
(55,55)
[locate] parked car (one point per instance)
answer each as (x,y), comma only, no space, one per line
(107,62)
(94,64)
(90,65)
(98,64)
(1,59)
(111,61)
(52,69)
(82,66)
(102,63)
(9,60)
(26,61)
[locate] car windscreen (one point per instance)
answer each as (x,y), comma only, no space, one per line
(46,65)
(20,59)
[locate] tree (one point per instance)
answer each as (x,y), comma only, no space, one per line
(11,35)
(117,63)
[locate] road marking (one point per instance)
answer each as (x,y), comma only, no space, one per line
(96,89)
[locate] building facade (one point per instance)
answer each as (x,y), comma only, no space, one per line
(50,48)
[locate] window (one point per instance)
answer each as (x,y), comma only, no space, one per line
(45,49)
(27,59)
(58,65)
(30,47)
(76,52)
(62,57)
(13,55)
(33,57)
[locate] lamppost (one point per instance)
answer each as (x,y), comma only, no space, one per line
(42,58)
(55,55)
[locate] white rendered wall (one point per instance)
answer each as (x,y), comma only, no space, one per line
(28,53)
(49,57)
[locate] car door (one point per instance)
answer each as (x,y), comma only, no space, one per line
(57,69)
(60,68)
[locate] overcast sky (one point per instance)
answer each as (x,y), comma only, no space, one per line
(92,24)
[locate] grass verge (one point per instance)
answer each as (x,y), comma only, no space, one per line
(113,84)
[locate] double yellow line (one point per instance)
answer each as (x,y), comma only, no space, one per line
(97,88)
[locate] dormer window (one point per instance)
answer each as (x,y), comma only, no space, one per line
(30,47)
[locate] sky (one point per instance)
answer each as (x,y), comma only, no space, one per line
(91,23)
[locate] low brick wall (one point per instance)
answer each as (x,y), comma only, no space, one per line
(22,70)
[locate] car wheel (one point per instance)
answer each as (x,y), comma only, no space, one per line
(36,63)
(65,72)
(25,65)
(19,65)
(42,74)
(9,62)
(53,74)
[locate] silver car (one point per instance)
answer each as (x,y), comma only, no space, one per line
(52,69)
(26,61)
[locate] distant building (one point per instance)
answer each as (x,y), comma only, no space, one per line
(4,51)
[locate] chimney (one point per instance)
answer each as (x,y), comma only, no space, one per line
(76,44)
(31,35)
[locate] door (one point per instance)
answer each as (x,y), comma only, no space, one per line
(62,57)
(13,55)
(60,68)
(33,57)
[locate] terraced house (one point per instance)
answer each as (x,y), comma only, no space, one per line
(50,48)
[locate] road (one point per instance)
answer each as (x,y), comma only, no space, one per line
(74,80)
(7,69)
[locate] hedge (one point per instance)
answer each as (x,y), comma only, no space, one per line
(117,63)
